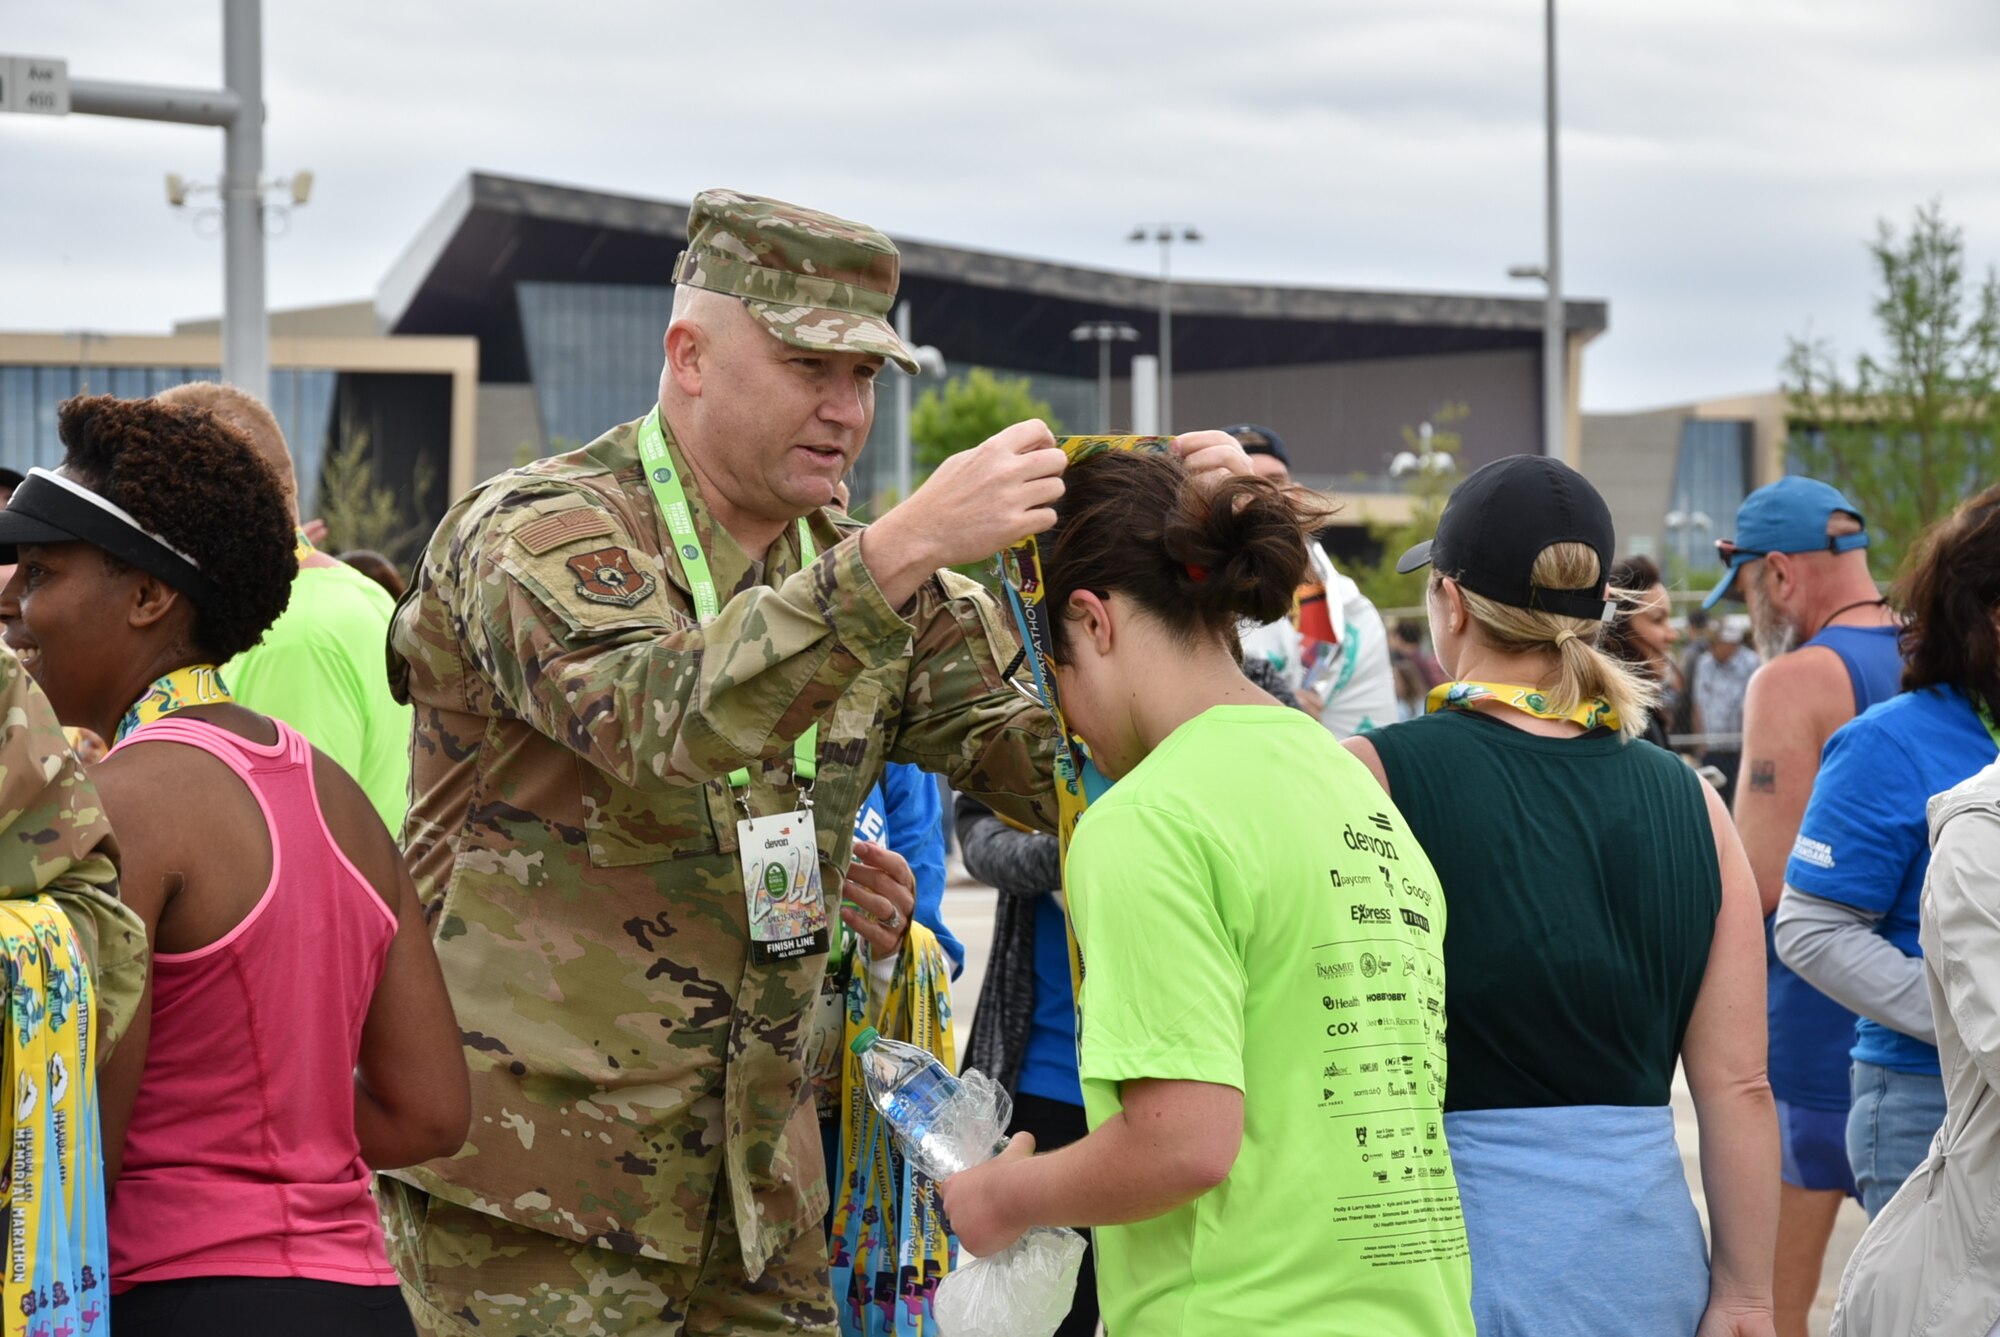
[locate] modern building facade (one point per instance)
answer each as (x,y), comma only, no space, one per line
(527,317)
(1675,476)
(567,293)
(335,382)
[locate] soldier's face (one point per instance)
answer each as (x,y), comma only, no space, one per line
(779,426)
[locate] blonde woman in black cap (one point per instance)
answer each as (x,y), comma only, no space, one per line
(1605,926)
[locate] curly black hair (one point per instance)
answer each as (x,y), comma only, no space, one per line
(199,485)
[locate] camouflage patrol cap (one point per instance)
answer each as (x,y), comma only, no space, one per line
(815,281)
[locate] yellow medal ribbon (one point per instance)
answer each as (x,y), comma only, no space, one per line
(303,548)
(1593,714)
(57,1274)
(192,685)
(890,1248)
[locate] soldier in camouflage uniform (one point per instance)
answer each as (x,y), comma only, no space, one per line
(55,840)
(644,1153)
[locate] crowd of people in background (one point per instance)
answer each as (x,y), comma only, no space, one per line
(507,982)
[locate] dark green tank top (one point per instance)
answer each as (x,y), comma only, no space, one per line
(1581,879)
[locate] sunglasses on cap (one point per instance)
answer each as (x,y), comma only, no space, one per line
(1835,543)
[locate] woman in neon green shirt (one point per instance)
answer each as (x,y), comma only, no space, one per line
(1262,1047)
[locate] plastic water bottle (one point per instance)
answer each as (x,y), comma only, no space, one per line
(914,1092)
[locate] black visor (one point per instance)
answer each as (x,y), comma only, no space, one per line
(48,508)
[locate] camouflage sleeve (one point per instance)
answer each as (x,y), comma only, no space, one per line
(635,686)
(54,839)
(963,718)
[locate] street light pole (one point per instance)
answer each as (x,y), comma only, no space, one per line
(1555,342)
(246,342)
(1104,333)
(1166,235)
(238,109)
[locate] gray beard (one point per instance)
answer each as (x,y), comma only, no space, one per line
(1772,637)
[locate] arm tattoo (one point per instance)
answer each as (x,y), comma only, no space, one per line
(1764,776)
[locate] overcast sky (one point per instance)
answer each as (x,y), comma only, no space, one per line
(1723,162)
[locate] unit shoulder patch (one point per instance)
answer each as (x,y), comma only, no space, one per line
(608,576)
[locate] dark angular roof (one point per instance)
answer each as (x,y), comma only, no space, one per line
(458,277)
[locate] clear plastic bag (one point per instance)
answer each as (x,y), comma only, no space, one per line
(1026,1290)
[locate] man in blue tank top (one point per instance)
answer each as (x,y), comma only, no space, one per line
(1828,642)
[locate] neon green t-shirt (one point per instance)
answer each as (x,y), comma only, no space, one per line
(1252,911)
(323,669)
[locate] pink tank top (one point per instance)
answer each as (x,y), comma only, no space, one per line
(242,1159)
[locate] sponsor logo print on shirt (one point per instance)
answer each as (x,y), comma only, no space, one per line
(1371,844)
(1815,852)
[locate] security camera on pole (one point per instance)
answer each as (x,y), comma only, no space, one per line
(43,86)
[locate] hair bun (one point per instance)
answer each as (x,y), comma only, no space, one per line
(1245,534)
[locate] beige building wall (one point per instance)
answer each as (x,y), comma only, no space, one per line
(447,355)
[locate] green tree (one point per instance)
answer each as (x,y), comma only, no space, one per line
(362,511)
(1908,434)
(1432,473)
(967,410)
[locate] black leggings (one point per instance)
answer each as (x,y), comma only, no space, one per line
(1057,1124)
(293,1306)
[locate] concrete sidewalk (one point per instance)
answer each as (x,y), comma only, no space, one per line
(968,909)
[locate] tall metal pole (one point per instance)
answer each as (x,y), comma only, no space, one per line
(246,343)
(1555,343)
(1166,235)
(1104,386)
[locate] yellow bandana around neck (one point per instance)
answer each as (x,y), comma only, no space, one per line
(192,685)
(1595,713)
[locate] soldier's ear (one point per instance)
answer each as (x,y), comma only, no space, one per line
(687,356)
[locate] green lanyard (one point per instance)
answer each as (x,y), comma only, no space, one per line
(1986,718)
(673,503)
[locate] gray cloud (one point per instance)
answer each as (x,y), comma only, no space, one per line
(1723,163)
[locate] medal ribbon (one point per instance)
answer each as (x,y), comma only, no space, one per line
(1592,714)
(890,1245)
(56,1276)
(193,685)
(302,547)
(671,497)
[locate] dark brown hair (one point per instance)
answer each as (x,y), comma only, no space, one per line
(1196,554)
(1631,577)
(1950,587)
(200,485)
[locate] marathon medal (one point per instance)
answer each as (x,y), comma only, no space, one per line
(781,884)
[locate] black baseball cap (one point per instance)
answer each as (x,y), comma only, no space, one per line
(1497,522)
(1258,440)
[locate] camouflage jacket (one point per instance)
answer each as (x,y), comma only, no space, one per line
(54,840)
(574,835)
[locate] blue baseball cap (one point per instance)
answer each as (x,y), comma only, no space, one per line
(1789,515)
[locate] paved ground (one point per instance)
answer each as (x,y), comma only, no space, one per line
(968,909)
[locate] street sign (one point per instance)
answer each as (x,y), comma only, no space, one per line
(37,84)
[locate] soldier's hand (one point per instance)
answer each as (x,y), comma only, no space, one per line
(882,895)
(978,502)
(1216,453)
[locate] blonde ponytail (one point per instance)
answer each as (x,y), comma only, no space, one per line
(1585,671)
